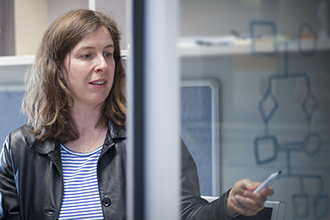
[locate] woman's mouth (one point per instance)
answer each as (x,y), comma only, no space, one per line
(97,83)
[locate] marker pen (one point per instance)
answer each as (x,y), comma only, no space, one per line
(269,181)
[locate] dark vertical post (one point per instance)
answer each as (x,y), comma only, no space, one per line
(153,161)
(138,52)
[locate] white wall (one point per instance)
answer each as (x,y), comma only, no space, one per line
(117,9)
(58,7)
(7,39)
(30,23)
(114,8)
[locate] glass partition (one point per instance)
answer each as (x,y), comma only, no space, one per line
(270,61)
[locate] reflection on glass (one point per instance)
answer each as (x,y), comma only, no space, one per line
(271,61)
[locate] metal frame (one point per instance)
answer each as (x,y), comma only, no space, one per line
(153,151)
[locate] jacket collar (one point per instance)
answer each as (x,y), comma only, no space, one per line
(116,131)
(45,147)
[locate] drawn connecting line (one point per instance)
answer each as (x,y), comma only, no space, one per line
(310,144)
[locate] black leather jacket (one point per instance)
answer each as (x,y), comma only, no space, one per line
(31,182)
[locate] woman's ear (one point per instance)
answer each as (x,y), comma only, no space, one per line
(61,74)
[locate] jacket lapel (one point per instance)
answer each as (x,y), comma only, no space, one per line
(115,132)
(51,148)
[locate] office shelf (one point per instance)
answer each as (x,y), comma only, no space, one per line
(190,49)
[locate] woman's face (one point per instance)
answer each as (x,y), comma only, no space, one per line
(89,69)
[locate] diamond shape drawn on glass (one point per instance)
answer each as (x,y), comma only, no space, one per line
(309,105)
(267,106)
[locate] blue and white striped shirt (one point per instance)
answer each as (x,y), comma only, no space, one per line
(81,198)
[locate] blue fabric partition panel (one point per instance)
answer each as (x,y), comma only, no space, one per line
(198,129)
(10,112)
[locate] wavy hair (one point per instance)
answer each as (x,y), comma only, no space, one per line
(46,100)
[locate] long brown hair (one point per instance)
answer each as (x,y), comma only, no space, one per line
(46,101)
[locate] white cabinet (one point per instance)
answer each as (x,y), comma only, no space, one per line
(12,70)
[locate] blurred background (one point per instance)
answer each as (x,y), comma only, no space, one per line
(255,91)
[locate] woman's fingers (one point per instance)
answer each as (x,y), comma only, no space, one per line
(242,200)
(246,206)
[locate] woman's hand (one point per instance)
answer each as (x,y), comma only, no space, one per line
(243,201)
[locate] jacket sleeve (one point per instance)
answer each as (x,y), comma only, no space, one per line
(192,205)
(9,209)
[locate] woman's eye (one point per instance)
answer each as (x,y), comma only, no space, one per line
(108,54)
(86,56)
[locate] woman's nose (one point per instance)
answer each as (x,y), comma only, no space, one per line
(101,64)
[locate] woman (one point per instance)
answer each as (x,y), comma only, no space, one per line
(69,161)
